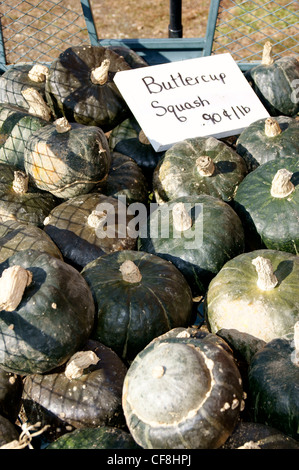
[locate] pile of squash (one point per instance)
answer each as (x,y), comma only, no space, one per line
(176,328)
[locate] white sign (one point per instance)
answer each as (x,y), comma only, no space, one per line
(206,96)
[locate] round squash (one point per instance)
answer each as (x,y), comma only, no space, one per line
(125,179)
(255,293)
(197,233)
(275,81)
(19,77)
(88,226)
(86,392)
(129,139)
(80,86)
(183,391)
(273,384)
(46,312)
(16,126)
(18,236)
(202,165)
(67,159)
(267,202)
(20,200)
(267,139)
(138,296)
(103,437)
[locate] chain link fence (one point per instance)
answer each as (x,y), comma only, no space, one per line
(243,27)
(39,30)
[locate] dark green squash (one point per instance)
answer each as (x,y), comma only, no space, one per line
(249,435)
(103,437)
(20,200)
(18,236)
(125,179)
(47,312)
(67,159)
(267,139)
(128,139)
(86,392)
(255,293)
(267,202)
(183,391)
(275,81)
(131,57)
(273,384)
(138,296)
(8,433)
(74,90)
(19,77)
(11,387)
(212,233)
(202,165)
(16,126)
(88,226)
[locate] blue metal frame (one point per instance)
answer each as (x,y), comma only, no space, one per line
(157,51)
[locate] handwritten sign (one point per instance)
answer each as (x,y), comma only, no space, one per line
(207,96)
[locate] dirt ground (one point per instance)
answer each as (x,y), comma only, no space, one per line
(147,19)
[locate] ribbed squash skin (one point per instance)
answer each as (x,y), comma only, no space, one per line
(15,80)
(69,163)
(234,301)
(176,174)
(183,391)
(18,236)
(257,148)
(30,207)
(269,221)
(88,401)
(275,85)
(16,126)
(129,315)
(71,93)
(125,139)
(200,252)
(67,225)
(125,179)
(273,386)
(54,318)
(103,437)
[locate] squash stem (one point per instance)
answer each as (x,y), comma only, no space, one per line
(205,165)
(266,277)
(38,73)
(130,272)
(37,104)
(281,184)
(267,58)
(62,125)
(13,283)
(96,219)
(272,127)
(78,362)
(20,182)
(181,219)
(99,75)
